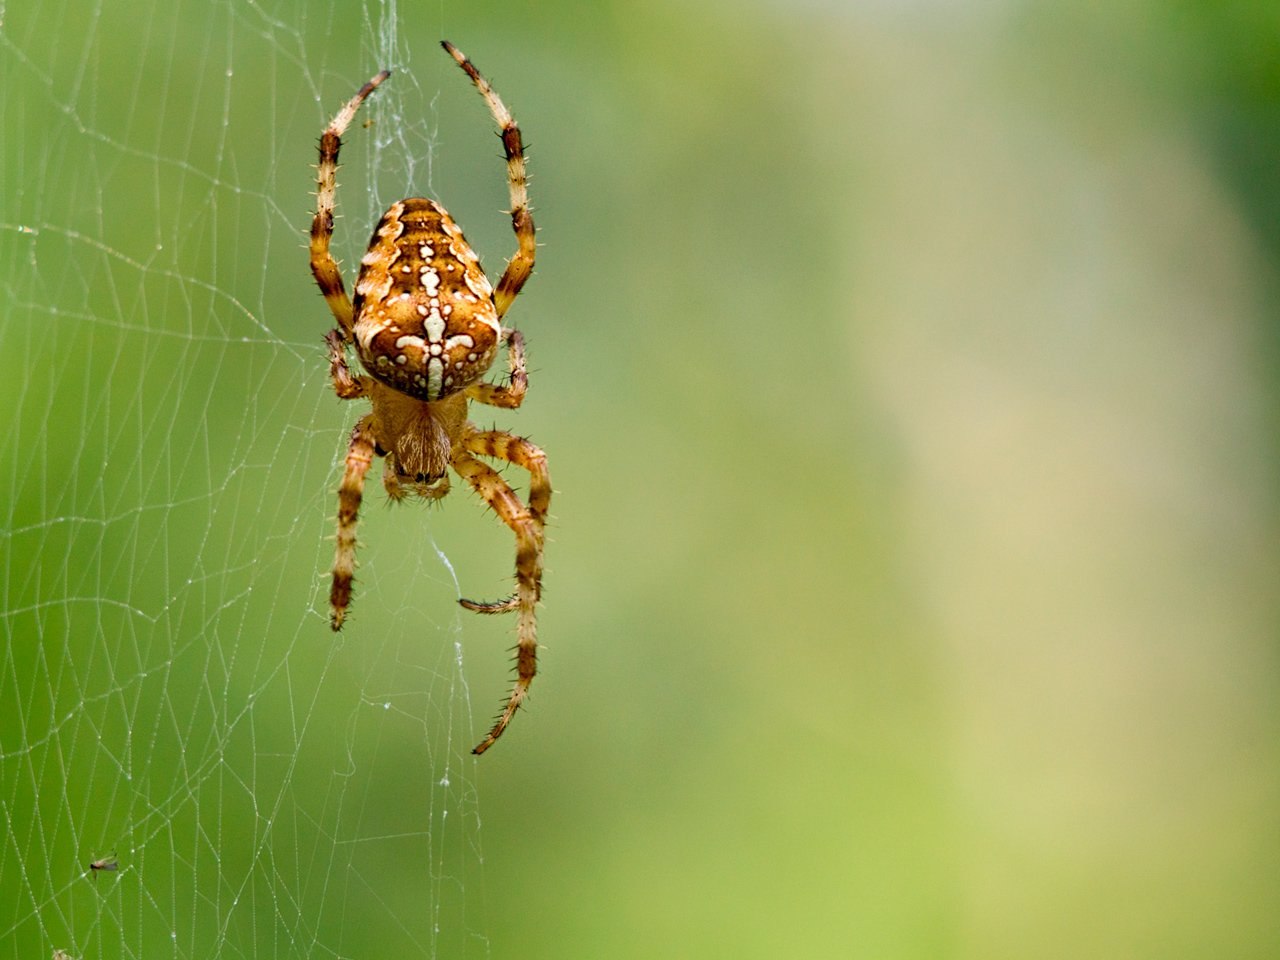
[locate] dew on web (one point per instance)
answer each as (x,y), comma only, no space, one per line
(171,687)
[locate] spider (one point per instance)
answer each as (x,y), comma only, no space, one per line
(426,325)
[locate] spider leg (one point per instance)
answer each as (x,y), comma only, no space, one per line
(323,267)
(347,386)
(528,524)
(491,606)
(503,446)
(500,445)
(510,394)
(520,265)
(360,453)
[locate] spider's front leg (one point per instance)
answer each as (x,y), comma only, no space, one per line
(528,523)
(520,266)
(323,267)
(360,453)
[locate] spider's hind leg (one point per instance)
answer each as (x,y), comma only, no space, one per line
(494,443)
(360,453)
(528,523)
(500,445)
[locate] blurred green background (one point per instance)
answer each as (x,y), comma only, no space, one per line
(909,377)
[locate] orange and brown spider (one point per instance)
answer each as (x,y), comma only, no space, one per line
(426,325)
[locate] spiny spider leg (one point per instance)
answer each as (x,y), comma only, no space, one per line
(500,445)
(510,394)
(520,265)
(359,458)
(345,385)
(323,267)
(528,525)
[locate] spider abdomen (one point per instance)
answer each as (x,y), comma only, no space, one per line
(425,321)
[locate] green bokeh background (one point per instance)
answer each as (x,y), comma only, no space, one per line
(909,377)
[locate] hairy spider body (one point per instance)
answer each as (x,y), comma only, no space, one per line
(425,322)
(426,325)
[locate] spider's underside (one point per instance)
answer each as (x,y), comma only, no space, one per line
(427,325)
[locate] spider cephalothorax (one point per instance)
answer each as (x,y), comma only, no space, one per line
(426,325)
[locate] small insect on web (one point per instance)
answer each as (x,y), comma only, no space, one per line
(427,325)
(104,865)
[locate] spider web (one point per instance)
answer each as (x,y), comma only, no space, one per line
(170,693)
